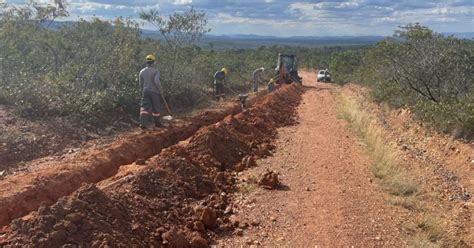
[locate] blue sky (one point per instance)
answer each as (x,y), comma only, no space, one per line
(295,18)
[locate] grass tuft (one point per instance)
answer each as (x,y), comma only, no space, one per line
(250,185)
(410,203)
(432,227)
(430,230)
(386,165)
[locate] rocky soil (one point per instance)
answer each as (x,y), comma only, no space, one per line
(179,199)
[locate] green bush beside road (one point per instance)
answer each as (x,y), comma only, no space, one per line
(419,69)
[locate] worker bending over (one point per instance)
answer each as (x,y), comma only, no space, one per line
(149,78)
(258,76)
(219,81)
(271,85)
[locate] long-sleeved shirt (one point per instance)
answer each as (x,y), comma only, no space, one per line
(257,75)
(219,77)
(149,78)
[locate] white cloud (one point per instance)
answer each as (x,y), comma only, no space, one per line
(182,2)
(303,17)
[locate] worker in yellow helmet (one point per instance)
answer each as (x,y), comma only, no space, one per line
(219,81)
(150,87)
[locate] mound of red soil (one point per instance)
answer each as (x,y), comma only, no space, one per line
(179,201)
(24,192)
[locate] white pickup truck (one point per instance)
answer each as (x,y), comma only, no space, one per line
(323,76)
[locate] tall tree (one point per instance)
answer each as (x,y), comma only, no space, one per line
(178,30)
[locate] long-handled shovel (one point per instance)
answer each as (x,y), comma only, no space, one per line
(168,117)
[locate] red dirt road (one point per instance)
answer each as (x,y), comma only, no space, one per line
(329,197)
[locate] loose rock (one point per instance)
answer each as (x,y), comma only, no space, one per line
(199,242)
(141,161)
(175,238)
(269,180)
(209,217)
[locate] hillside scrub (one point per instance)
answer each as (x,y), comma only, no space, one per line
(427,72)
(88,70)
(345,65)
(419,69)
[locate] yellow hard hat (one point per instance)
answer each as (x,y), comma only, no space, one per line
(225,70)
(150,58)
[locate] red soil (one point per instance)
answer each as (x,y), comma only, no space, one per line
(179,199)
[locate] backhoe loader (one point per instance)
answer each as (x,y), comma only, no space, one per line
(287,70)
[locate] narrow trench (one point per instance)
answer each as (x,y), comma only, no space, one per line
(49,185)
(178,200)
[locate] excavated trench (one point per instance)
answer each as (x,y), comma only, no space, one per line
(178,200)
(23,193)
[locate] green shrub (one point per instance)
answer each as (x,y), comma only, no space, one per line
(345,65)
(427,72)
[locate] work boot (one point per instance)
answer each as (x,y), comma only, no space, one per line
(157,123)
(144,119)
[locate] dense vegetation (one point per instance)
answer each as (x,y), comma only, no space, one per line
(417,68)
(88,70)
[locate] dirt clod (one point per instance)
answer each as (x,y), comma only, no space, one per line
(209,217)
(240,167)
(239,232)
(73,217)
(199,226)
(175,238)
(269,180)
(255,223)
(199,242)
(140,161)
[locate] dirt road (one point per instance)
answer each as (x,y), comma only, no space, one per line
(329,197)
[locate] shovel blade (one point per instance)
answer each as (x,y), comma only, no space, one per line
(168,117)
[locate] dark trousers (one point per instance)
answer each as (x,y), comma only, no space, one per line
(271,87)
(255,84)
(150,106)
(218,90)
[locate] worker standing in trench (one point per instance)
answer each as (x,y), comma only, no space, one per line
(149,79)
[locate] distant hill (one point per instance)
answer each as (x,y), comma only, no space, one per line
(465,35)
(242,41)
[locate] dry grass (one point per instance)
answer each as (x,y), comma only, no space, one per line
(405,192)
(250,185)
(386,163)
(429,232)
(410,203)
(432,227)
